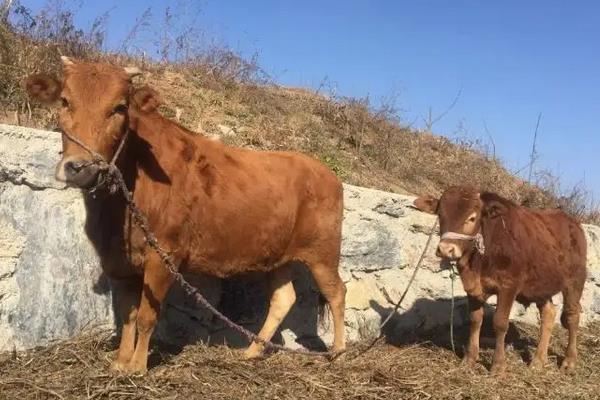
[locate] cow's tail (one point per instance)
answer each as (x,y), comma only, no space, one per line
(323,311)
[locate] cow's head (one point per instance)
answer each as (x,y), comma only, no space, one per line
(460,210)
(94,101)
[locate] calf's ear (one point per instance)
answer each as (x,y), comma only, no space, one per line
(133,71)
(43,88)
(492,208)
(427,203)
(146,99)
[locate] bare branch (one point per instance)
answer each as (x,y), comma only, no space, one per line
(533,155)
(487,131)
(431,120)
(5,10)
(140,22)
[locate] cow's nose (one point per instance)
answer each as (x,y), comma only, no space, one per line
(451,251)
(448,250)
(80,172)
(73,167)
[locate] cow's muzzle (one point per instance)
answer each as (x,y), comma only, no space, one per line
(449,248)
(78,172)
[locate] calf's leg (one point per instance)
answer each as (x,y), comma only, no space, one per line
(127,300)
(157,281)
(570,320)
(506,299)
(283,297)
(547,314)
(476,311)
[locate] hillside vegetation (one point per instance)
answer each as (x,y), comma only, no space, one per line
(215,92)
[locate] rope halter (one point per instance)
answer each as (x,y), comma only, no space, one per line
(477,239)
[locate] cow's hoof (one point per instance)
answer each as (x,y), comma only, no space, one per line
(253,352)
(128,368)
(469,362)
(568,365)
(537,363)
(336,354)
(118,366)
(498,369)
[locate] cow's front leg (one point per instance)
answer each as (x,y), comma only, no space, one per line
(476,313)
(506,298)
(157,281)
(127,299)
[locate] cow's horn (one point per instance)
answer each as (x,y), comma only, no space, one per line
(132,71)
(66,61)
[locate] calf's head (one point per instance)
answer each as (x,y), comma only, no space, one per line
(460,209)
(94,101)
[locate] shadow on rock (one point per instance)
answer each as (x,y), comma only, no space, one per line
(428,320)
(102,284)
(243,299)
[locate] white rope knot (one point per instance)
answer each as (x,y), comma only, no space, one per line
(477,238)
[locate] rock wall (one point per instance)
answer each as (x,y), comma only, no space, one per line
(51,286)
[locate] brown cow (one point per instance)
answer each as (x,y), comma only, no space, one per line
(219,210)
(528,255)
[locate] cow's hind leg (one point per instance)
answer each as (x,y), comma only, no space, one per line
(570,320)
(333,289)
(157,281)
(547,314)
(127,300)
(283,297)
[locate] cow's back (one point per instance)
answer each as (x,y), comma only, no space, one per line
(548,251)
(229,210)
(570,238)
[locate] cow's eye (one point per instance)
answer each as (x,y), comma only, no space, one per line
(120,109)
(472,219)
(65,102)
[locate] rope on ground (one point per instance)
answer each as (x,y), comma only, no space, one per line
(412,278)
(399,302)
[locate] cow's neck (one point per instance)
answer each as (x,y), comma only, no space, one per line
(105,218)
(495,232)
(468,267)
(106,211)
(107,225)
(156,150)
(474,266)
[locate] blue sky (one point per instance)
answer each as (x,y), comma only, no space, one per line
(511,60)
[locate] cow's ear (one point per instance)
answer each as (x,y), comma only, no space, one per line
(43,88)
(492,206)
(146,99)
(427,203)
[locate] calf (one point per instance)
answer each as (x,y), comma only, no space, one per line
(527,255)
(218,210)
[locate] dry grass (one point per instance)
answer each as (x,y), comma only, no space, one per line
(219,93)
(79,369)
